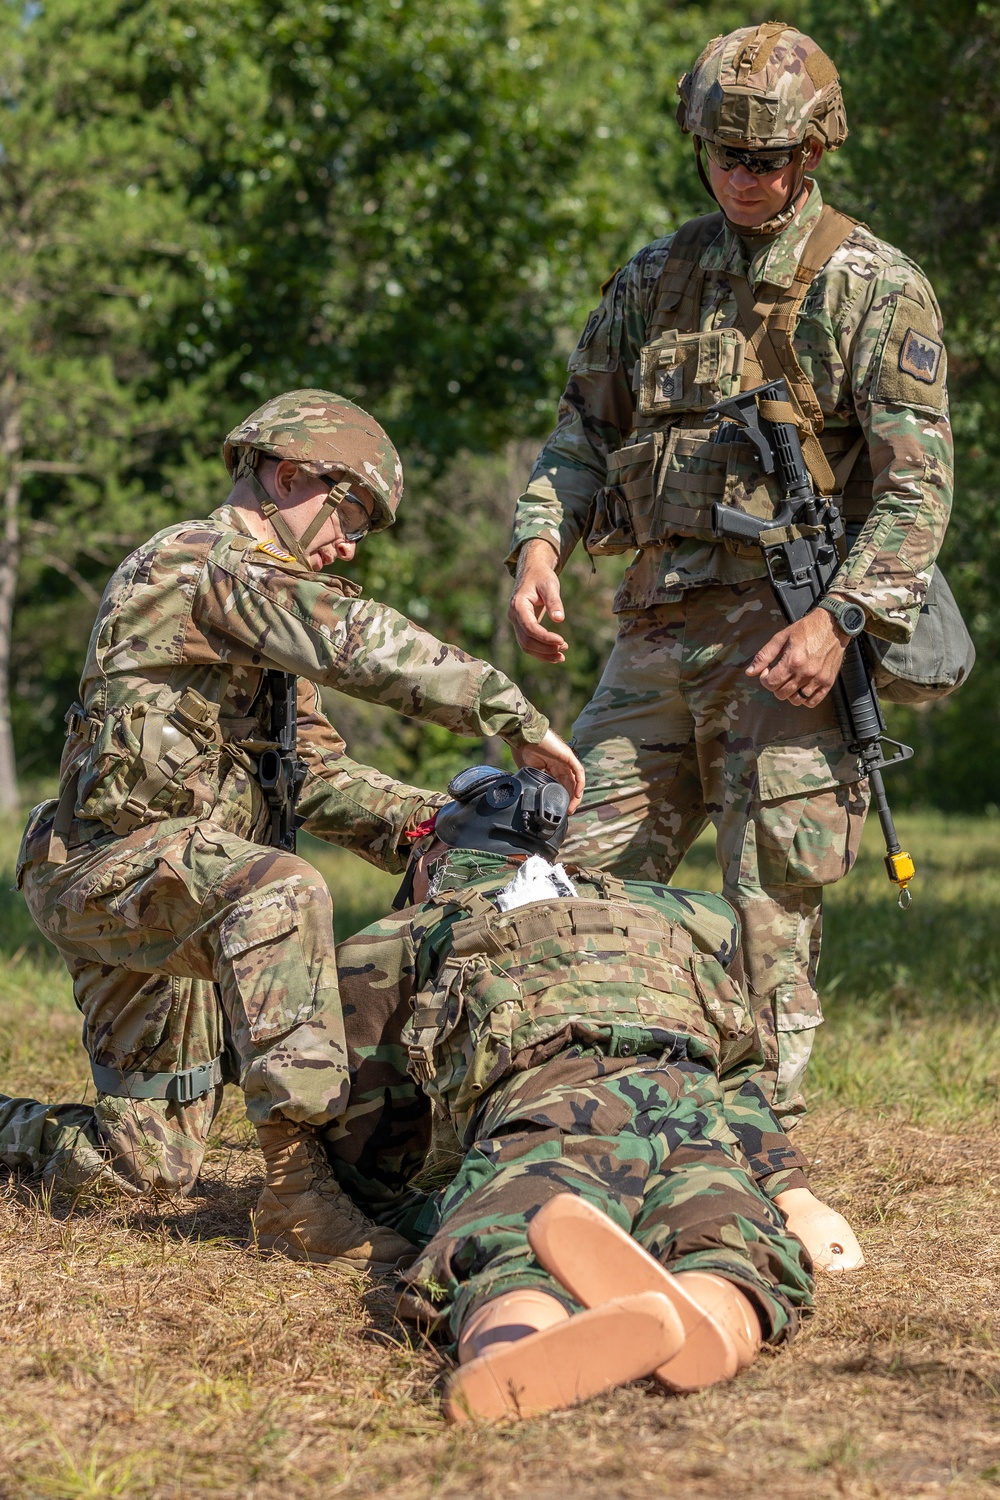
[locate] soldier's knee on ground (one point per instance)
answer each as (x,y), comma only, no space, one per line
(157,1144)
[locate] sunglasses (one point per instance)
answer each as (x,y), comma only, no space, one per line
(757,163)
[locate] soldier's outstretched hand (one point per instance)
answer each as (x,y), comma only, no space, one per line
(537,593)
(800,663)
(554,755)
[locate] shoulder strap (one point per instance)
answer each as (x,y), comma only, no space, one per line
(768,324)
(676,295)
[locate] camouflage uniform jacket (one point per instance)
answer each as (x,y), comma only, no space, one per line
(174,704)
(631,968)
(867,337)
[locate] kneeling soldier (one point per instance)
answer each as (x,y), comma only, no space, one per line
(200,945)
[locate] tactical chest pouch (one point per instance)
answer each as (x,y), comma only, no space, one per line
(662,484)
(570,967)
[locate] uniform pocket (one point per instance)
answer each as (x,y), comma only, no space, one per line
(688,371)
(721,1001)
(809,814)
(262,945)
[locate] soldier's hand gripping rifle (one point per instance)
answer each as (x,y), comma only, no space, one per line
(279,770)
(800,549)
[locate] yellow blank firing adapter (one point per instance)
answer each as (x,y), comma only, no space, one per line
(901,870)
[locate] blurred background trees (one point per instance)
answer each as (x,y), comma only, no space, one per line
(203,202)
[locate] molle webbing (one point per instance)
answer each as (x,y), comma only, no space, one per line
(676,297)
(593,968)
(768,323)
(501,934)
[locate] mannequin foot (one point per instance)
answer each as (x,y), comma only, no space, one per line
(523,1372)
(826,1234)
(596,1261)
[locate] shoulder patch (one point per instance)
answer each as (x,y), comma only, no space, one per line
(920,356)
(273,550)
(913,366)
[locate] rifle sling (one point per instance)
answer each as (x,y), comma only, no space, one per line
(768,323)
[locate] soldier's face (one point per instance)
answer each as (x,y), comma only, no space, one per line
(301,495)
(749,199)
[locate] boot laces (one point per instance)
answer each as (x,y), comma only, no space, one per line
(326,1184)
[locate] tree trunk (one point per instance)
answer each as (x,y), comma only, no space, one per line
(10,484)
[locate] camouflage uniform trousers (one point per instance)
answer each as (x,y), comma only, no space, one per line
(185,943)
(644,1140)
(677,736)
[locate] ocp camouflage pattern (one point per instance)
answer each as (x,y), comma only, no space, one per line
(380,1142)
(188,938)
(848,340)
(763,87)
(187,629)
(323,432)
(676,737)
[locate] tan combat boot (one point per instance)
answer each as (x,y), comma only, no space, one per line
(303,1213)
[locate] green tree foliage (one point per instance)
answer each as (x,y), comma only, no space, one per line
(922,167)
(95,242)
(414,202)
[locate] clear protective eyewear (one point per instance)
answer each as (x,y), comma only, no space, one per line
(355,518)
(757,163)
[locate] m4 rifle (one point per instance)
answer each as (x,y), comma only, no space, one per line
(800,550)
(280,772)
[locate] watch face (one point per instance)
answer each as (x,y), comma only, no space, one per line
(852,619)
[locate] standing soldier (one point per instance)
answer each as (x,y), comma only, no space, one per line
(194,943)
(711,708)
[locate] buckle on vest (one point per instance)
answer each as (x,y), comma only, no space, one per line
(421,1055)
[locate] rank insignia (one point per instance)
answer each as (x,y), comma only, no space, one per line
(920,356)
(273,550)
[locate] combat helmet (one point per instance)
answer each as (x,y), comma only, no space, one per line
(762,88)
(323,433)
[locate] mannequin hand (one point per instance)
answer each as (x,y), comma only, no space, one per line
(800,663)
(826,1234)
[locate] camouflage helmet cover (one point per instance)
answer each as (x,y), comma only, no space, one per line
(763,87)
(324,433)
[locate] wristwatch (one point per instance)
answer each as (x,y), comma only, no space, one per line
(850,617)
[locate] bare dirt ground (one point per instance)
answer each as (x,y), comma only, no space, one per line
(149,1354)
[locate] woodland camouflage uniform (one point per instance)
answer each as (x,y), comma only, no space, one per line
(600,1045)
(152,874)
(676,735)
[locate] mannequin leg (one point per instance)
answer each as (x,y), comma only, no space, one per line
(595,1261)
(522,1354)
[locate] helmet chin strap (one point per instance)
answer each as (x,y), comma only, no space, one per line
(298,547)
(782,218)
(332,502)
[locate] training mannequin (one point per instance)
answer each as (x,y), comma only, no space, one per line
(591,1046)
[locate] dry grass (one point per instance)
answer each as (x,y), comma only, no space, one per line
(147,1354)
